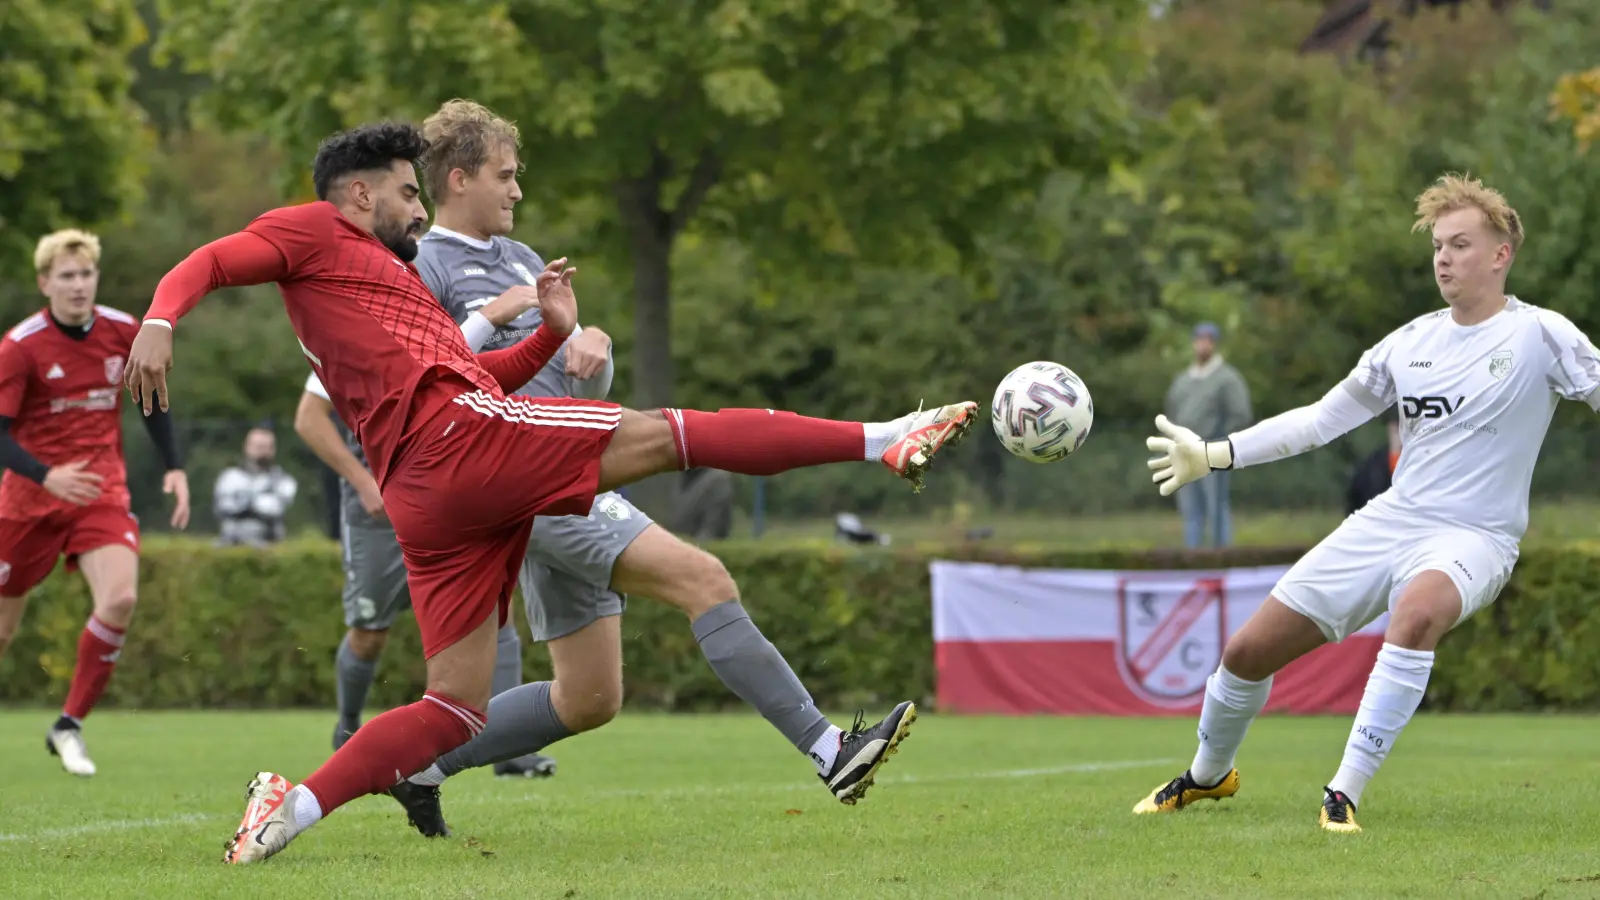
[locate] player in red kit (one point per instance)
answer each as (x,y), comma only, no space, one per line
(65,489)
(463,468)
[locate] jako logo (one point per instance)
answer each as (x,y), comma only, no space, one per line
(1429,407)
(1420,364)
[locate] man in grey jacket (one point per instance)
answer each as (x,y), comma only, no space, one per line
(1211,398)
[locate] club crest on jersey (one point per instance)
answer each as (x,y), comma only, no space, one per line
(113,370)
(1171,632)
(526,275)
(614,509)
(1500,364)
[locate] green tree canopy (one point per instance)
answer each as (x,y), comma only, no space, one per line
(813,129)
(71,141)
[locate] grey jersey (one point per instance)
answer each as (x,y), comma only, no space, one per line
(466,275)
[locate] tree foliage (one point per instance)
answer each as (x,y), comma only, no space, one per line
(810,128)
(71,141)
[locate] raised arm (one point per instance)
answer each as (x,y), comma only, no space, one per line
(1366,392)
(237,260)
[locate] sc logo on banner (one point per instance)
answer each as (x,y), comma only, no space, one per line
(1170,638)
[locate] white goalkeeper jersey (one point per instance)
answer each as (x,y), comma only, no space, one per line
(1475,404)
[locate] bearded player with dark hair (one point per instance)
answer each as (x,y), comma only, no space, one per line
(463,468)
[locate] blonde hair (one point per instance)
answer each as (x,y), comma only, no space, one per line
(67,242)
(1452,192)
(461,135)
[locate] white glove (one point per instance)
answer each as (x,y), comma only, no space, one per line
(1184,457)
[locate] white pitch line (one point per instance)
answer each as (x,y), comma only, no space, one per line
(104,826)
(112,825)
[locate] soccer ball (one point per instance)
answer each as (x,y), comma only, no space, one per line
(1042,412)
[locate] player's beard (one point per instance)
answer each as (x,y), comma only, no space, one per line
(399,236)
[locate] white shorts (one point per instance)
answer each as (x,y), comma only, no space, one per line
(1357,573)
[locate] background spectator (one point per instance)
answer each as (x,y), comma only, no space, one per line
(251,499)
(1373,475)
(1211,398)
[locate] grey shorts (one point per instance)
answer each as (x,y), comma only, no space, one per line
(566,574)
(375,587)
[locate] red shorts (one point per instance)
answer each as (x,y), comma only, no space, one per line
(464,492)
(29,548)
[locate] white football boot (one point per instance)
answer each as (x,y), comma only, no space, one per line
(926,432)
(67,744)
(268,824)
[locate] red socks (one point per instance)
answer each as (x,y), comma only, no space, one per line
(98,649)
(762,441)
(399,743)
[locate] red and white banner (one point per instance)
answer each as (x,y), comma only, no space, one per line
(1087,642)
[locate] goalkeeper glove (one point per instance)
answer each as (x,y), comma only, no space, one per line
(1184,456)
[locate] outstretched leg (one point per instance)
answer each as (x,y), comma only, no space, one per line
(766,442)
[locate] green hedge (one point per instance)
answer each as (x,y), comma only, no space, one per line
(239,628)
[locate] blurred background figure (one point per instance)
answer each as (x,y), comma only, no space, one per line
(252,498)
(1373,475)
(705,505)
(1211,398)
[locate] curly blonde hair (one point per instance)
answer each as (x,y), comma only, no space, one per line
(67,242)
(1452,192)
(461,135)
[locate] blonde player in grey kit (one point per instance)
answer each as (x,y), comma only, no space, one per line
(578,569)
(1477,384)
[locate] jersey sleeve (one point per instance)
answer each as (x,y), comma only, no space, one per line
(15,370)
(1574,368)
(314,387)
(1371,382)
(302,234)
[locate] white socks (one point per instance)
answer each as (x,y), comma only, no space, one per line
(307,811)
(1231,704)
(826,750)
(431,776)
(881,434)
(1394,690)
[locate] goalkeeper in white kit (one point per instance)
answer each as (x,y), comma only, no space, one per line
(1477,384)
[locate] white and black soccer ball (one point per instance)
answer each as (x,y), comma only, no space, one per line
(1042,412)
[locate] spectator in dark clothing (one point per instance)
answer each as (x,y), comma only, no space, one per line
(1374,474)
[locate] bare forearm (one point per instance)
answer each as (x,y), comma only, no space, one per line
(322,436)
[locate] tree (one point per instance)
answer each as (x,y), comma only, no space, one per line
(815,130)
(1577,99)
(71,140)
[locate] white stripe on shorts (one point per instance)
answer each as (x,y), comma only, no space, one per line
(529,413)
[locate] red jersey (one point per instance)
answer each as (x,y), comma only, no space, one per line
(369,325)
(64,397)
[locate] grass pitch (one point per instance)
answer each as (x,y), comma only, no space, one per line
(720,806)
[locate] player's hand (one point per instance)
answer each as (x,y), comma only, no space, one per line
(71,483)
(372,500)
(1184,456)
(149,360)
(176,483)
(502,310)
(587,353)
(557,304)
